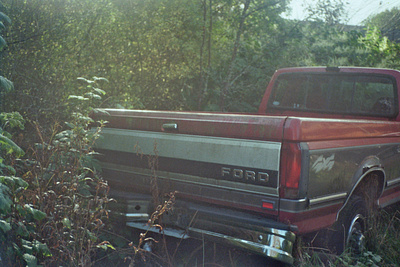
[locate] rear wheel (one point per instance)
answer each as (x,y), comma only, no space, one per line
(351,226)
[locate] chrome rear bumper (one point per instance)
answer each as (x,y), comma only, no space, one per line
(256,235)
(276,246)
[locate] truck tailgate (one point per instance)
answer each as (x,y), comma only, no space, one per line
(223,169)
(217,158)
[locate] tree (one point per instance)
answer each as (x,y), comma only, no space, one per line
(388,22)
(164,54)
(248,14)
(159,54)
(381,52)
(331,12)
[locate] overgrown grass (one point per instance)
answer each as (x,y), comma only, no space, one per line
(384,236)
(382,245)
(383,249)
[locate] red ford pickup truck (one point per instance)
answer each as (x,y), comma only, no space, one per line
(320,156)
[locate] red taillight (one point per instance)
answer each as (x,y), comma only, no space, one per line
(268,205)
(290,170)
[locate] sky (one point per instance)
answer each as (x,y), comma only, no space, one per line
(357,10)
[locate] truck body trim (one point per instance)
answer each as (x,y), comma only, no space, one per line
(230,151)
(327,199)
(393,182)
(194,180)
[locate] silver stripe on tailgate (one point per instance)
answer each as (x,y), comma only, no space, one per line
(230,151)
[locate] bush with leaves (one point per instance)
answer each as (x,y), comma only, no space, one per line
(7,147)
(20,244)
(65,185)
(5,84)
(54,213)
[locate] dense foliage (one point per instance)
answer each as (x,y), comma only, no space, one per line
(53,202)
(179,54)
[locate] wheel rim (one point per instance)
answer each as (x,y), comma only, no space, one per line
(355,238)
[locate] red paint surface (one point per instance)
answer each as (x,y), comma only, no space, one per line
(311,220)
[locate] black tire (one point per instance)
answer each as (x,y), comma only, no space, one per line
(349,230)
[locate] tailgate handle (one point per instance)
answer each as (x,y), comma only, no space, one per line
(170,127)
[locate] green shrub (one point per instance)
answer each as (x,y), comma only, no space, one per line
(53,214)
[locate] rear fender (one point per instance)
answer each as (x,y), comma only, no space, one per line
(370,165)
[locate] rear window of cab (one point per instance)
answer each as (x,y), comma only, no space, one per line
(341,93)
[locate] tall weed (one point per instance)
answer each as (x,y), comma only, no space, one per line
(67,186)
(53,213)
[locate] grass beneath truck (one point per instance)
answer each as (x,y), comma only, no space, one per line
(383,249)
(382,240)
